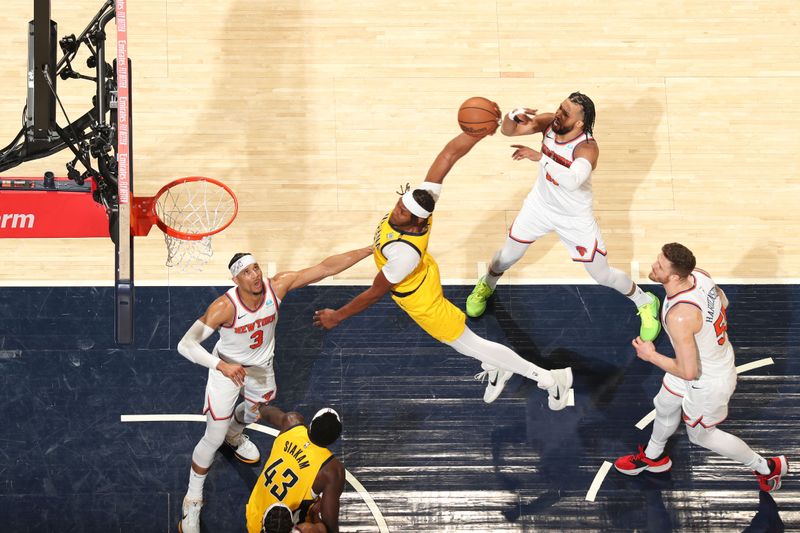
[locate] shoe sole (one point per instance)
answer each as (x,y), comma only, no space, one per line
(562,402)
(654,469)
(658,322)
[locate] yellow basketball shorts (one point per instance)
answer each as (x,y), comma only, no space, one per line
(434,313)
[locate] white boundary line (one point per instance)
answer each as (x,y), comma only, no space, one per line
(222,282)
(598,480)
(359,488)
(644,422)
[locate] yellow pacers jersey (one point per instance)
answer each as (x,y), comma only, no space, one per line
(420,293)
(288,475)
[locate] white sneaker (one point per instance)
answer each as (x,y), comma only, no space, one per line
(243,448)
(558,394)
(497,380)
(190,523)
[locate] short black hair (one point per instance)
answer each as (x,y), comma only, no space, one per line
(325,429)
(236,257)
(425,200)
(588,110)
(681,258)
(278,520)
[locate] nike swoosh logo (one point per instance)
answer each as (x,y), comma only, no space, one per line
(558,395)
(493,382)
(696,388)
(244,315)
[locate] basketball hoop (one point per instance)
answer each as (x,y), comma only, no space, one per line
(189,211)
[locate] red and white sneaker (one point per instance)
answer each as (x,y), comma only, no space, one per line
(631,465)
(778,467)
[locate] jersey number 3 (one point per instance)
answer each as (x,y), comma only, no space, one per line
(258,339)
(721,327)
(281,486)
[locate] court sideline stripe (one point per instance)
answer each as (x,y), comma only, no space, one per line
(359,488)
(644,422)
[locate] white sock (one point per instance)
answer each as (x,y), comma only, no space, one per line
(196,482)
(640,297)
(762,467)
(491,280)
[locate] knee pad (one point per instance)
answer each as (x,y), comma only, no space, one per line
(700,435)
(203,454)
(665,402)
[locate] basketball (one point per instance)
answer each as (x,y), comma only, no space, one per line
(477,116)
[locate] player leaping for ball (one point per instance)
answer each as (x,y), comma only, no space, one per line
(407,270)
(561,201)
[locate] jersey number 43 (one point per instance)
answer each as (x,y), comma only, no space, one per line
(280,487)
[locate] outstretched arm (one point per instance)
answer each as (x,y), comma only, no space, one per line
(452,152)
(284,282)
(329,319)
(525,121)
(277,418)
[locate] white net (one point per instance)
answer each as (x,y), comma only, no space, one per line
(193,208)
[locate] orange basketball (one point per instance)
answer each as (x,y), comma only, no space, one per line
(477,116)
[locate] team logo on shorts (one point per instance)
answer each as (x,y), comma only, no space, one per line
(581,250)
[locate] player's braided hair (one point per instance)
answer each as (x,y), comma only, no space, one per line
(682,258)
(588,110)
(278,520)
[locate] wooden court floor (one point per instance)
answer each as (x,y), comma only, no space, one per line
(315,111)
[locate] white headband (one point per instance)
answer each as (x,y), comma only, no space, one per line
(242,263)
(412,205)
(326,410)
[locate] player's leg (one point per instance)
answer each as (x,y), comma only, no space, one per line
(259,387)
(507,362)
(706,406)
(529,225)
(668,417)
(221,395)
(584,241)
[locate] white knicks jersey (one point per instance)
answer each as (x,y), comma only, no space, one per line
(716,351)
(547,191)
(250,340)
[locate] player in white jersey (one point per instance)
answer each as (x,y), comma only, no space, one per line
(561,201)
(246,316)
(701,378)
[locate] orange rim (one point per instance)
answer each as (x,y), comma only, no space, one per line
(192,236)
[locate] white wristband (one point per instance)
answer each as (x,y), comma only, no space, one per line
(514,113)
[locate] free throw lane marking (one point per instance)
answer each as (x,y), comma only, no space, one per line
(359,488)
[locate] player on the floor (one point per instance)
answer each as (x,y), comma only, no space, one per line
(299,472)
(561,201)
(245,316)
(701,378)
(407,270)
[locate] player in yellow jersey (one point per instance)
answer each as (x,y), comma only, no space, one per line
(300,469)
(412,276)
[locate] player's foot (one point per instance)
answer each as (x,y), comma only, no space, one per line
(651,325)
(558,394)
(631,465)
(476,302)
(497,379)
(190,522)
(243,448)
(778,467)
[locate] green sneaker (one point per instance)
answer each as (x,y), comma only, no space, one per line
(476,302)
(651,325)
